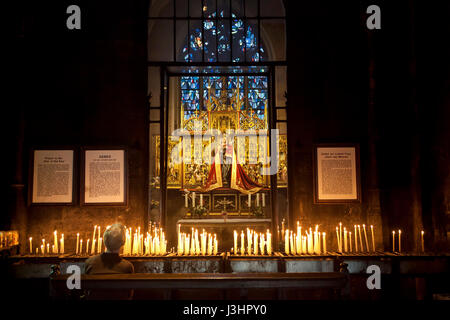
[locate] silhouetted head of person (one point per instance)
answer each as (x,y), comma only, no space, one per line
(114,238)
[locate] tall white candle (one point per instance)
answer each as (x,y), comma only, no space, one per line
(350,240)
(356,240)
(365,237)
(286,242)
(399,240)
(31,245)
(235,242)
(393,241)
(55,241)
(345,240)
(87,246)
(422,242)
(338,242)
(78,240)
(255,243)
(61,248)
(81,245)
(340,236)
(324,240)
(269,243)
(360,238)
(373,238)
(93,238)
(242,243)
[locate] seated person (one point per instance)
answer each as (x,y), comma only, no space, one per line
(110,262)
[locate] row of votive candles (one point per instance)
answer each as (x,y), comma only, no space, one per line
(310,243)
(253,243)
(154,243)
(196,244)
(44,248)
(398,235)
(346,239)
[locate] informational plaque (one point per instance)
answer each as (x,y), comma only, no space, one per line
(104,177)
(337,174)
(52,176)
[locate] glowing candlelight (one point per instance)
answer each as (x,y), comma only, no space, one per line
(81,245)
(261,243)
(345,240)
(373,238)
(87,246)
(255,243)
(61,248)
(393,241)
(55,242)
(423,244)
(93,251)
(98,240)
(242,243)
(78,240)
(340,236)
(235,242)
(269,243)
(48,248)
(42,249)
(291,242)
(286,242)
(350,240)
(356,239)
(216,247)
(365,237)
(338,242)
(360,238)
(93,238)
(31,245)
(249,242)
(399,240)
(324,240)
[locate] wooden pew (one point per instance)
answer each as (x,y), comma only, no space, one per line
(333,281)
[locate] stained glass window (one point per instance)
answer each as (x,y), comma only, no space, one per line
(218,43)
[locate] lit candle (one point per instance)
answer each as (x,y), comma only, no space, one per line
(423,244)
(393,241)
(255,243)
(87,246)
(242,243)
(78,240)
(360,238)
(61,248)
(93,246)
(55,242)
(365,237)
(42,249)
(193,199)
(399,240)
(187,244)
(216,247)
(337,236)
(345,240)
(261,243)
(31,245)
(373,238)
(340,236)
(48,248)
(210,244)
(304,250)
(43,243)
(37,251)
(286,242)
(235,242)
(249,242)
(350,240)
(263,199)
(291,242)
(53,248)
(324,240)
(93,238)
(356,240)
(269,243)
(81,245)
(98,240)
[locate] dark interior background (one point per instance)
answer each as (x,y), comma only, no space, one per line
(89,88)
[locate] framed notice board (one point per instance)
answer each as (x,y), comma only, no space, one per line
(337,176)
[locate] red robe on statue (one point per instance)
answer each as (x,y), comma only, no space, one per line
(239,179)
